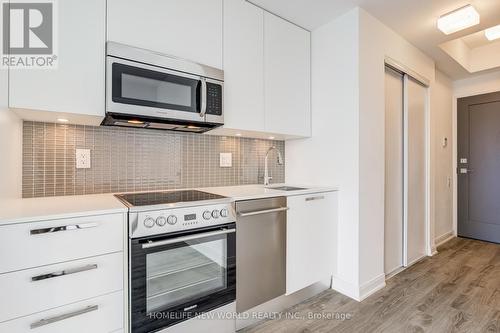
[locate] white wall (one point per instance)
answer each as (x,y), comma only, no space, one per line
(331,156)
(442,158)
(476,85)
(348,138)
(376,43)
(10,145)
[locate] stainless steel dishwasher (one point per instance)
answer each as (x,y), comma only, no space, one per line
(260,251)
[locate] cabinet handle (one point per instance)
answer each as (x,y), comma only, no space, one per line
(64,272)
(63,228)
(47,321)
(319,197)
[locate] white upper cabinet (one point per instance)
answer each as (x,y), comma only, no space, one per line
(287,77)
(74,90)
(243,66)
(189,29)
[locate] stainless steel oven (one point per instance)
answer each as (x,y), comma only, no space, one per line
(152,90)
(182,256)
(177,277)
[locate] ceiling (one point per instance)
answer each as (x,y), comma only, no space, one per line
(476,39)
(415,20)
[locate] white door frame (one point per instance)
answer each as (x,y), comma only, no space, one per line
(454,130)
(430,247)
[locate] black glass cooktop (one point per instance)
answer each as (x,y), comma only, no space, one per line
(161,198)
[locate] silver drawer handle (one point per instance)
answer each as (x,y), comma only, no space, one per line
(64,272)
(47,321)
(320,197)
(187,238)
(264,211)
(63,228)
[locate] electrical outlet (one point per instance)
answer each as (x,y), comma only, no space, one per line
(83,158)
(226,160)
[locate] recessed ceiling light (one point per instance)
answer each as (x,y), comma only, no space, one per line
(238,134)
(458,19)
(271,138)
(492,33)
(62,120)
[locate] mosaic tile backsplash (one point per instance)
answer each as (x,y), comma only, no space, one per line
(125,160)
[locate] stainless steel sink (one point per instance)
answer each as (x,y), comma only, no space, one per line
(287,188)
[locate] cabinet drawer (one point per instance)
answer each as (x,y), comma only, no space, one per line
(38,289)
(97,315)
(27,245)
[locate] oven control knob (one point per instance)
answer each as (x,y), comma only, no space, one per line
(149,222)
(161,220)
(224,212)
(207,215)
(172,219)
(215,214)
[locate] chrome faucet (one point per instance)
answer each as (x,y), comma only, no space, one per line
(267,178)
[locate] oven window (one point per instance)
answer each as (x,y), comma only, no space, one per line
(187,272)
(146,89)
(140,86)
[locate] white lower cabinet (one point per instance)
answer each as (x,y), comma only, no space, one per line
(102,314)
(37,289)
(63,275)
(311,239)
(53,241)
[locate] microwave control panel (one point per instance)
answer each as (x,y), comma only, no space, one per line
(214,98)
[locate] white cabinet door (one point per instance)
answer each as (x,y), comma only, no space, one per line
(54,241)
(243,66)
(311,239)
(102,314)
(189,29)
(76,87)
(37,289)
(287,77)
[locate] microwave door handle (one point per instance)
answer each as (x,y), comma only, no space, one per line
(203,110)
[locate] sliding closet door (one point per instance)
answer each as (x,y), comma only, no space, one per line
(393,246)
(415,170)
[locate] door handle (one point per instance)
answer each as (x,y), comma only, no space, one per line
(152,244)
(203,97)
(265,211)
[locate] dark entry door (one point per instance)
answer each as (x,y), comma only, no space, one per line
(479,167)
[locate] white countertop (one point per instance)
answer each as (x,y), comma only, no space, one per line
(249,192)
(38,209)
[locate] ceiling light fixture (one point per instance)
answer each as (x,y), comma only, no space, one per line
(135,122)
(271,138)
(458,19)
(238,134)
(62,120)
(492,33)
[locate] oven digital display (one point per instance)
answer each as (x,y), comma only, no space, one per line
(190,217)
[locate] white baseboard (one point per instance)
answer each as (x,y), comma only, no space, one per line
(369,288)
(359,293)
(444,238)
(345,288)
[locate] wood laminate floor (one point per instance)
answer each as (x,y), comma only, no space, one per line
(457,290)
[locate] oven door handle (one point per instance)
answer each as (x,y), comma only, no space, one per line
(152,244)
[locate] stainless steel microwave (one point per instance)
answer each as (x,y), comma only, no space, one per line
(152,90)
